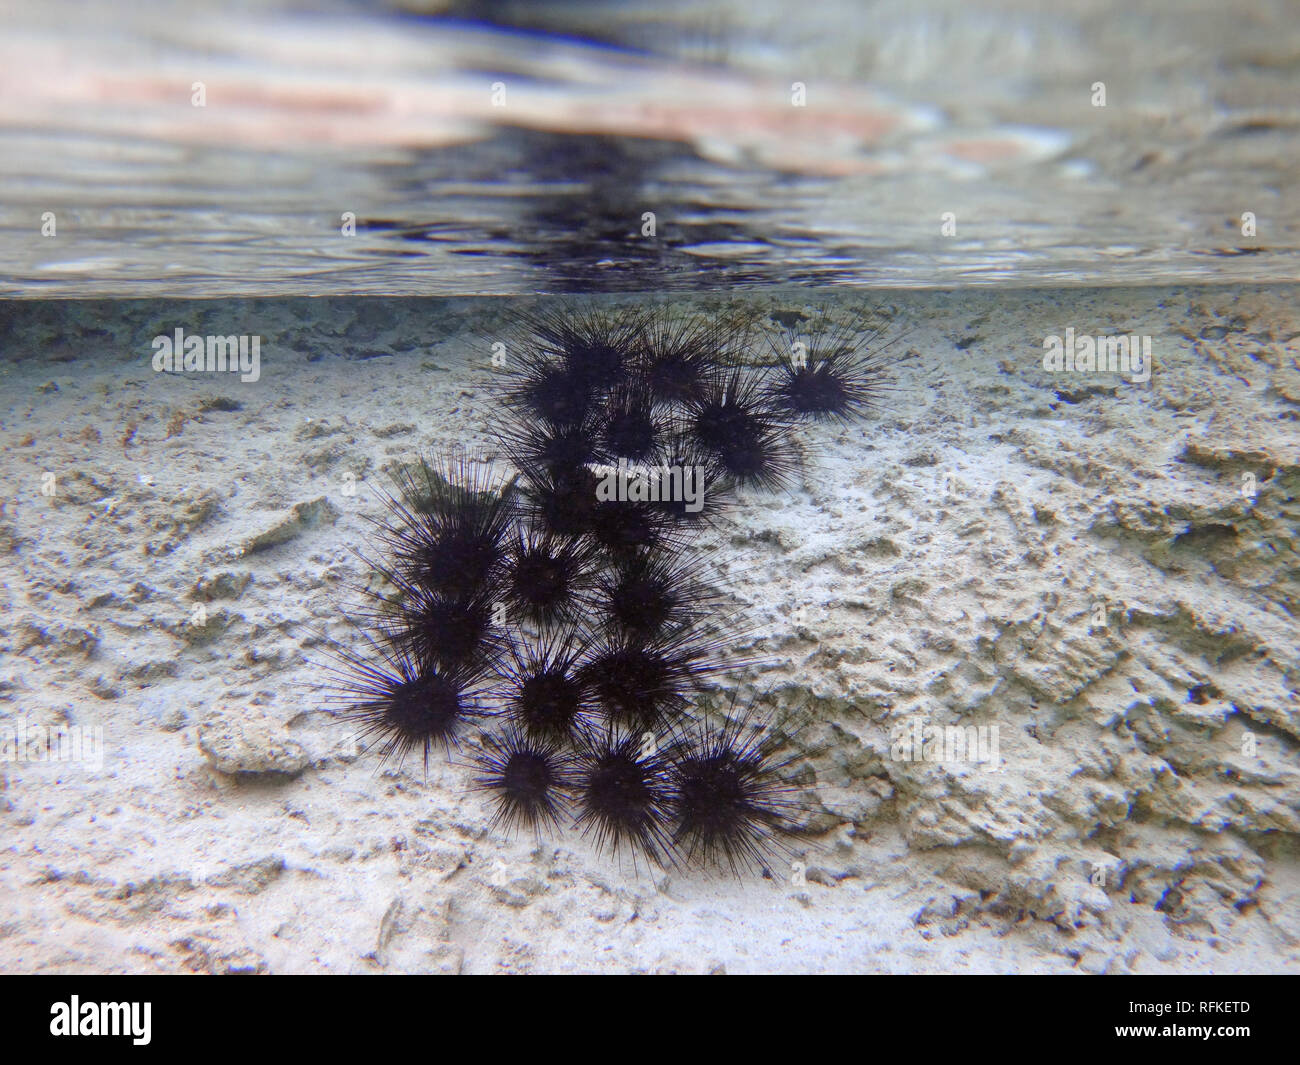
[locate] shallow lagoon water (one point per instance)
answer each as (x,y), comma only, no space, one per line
(499,148)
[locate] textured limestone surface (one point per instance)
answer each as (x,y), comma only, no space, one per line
(1100,573)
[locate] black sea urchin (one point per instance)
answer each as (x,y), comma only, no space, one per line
(733,421)
(544,576)
(445,529)
(596,349)
(631,425)
(728,801)
(545,690)
(649,594)
(644,682)
(528,778)
(403,705)
(679,353)
(543,445)
(622,795)
(623,526)
(541,385)
(561,501)
(451,632)
(827,373)
(694,490)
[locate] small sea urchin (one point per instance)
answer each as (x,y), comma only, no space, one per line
(644,682)
(624,526)
(402,705)
(730,803)
(541,386)
(623,794)
(594,349)
(543,445)
(450,631)
(827,373)
(733,421)
(528,778)
(652,593)
(544,576)
(679,352)
(545,690)
(561,501)
(445,528)
(630,425)
(699,491)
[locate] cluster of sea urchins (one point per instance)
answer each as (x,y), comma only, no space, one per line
(561,616)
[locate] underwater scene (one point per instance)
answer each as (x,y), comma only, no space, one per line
(624,488)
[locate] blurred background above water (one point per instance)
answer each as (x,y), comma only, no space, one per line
(492,148)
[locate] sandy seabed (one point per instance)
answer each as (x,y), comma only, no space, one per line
(1103,570)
